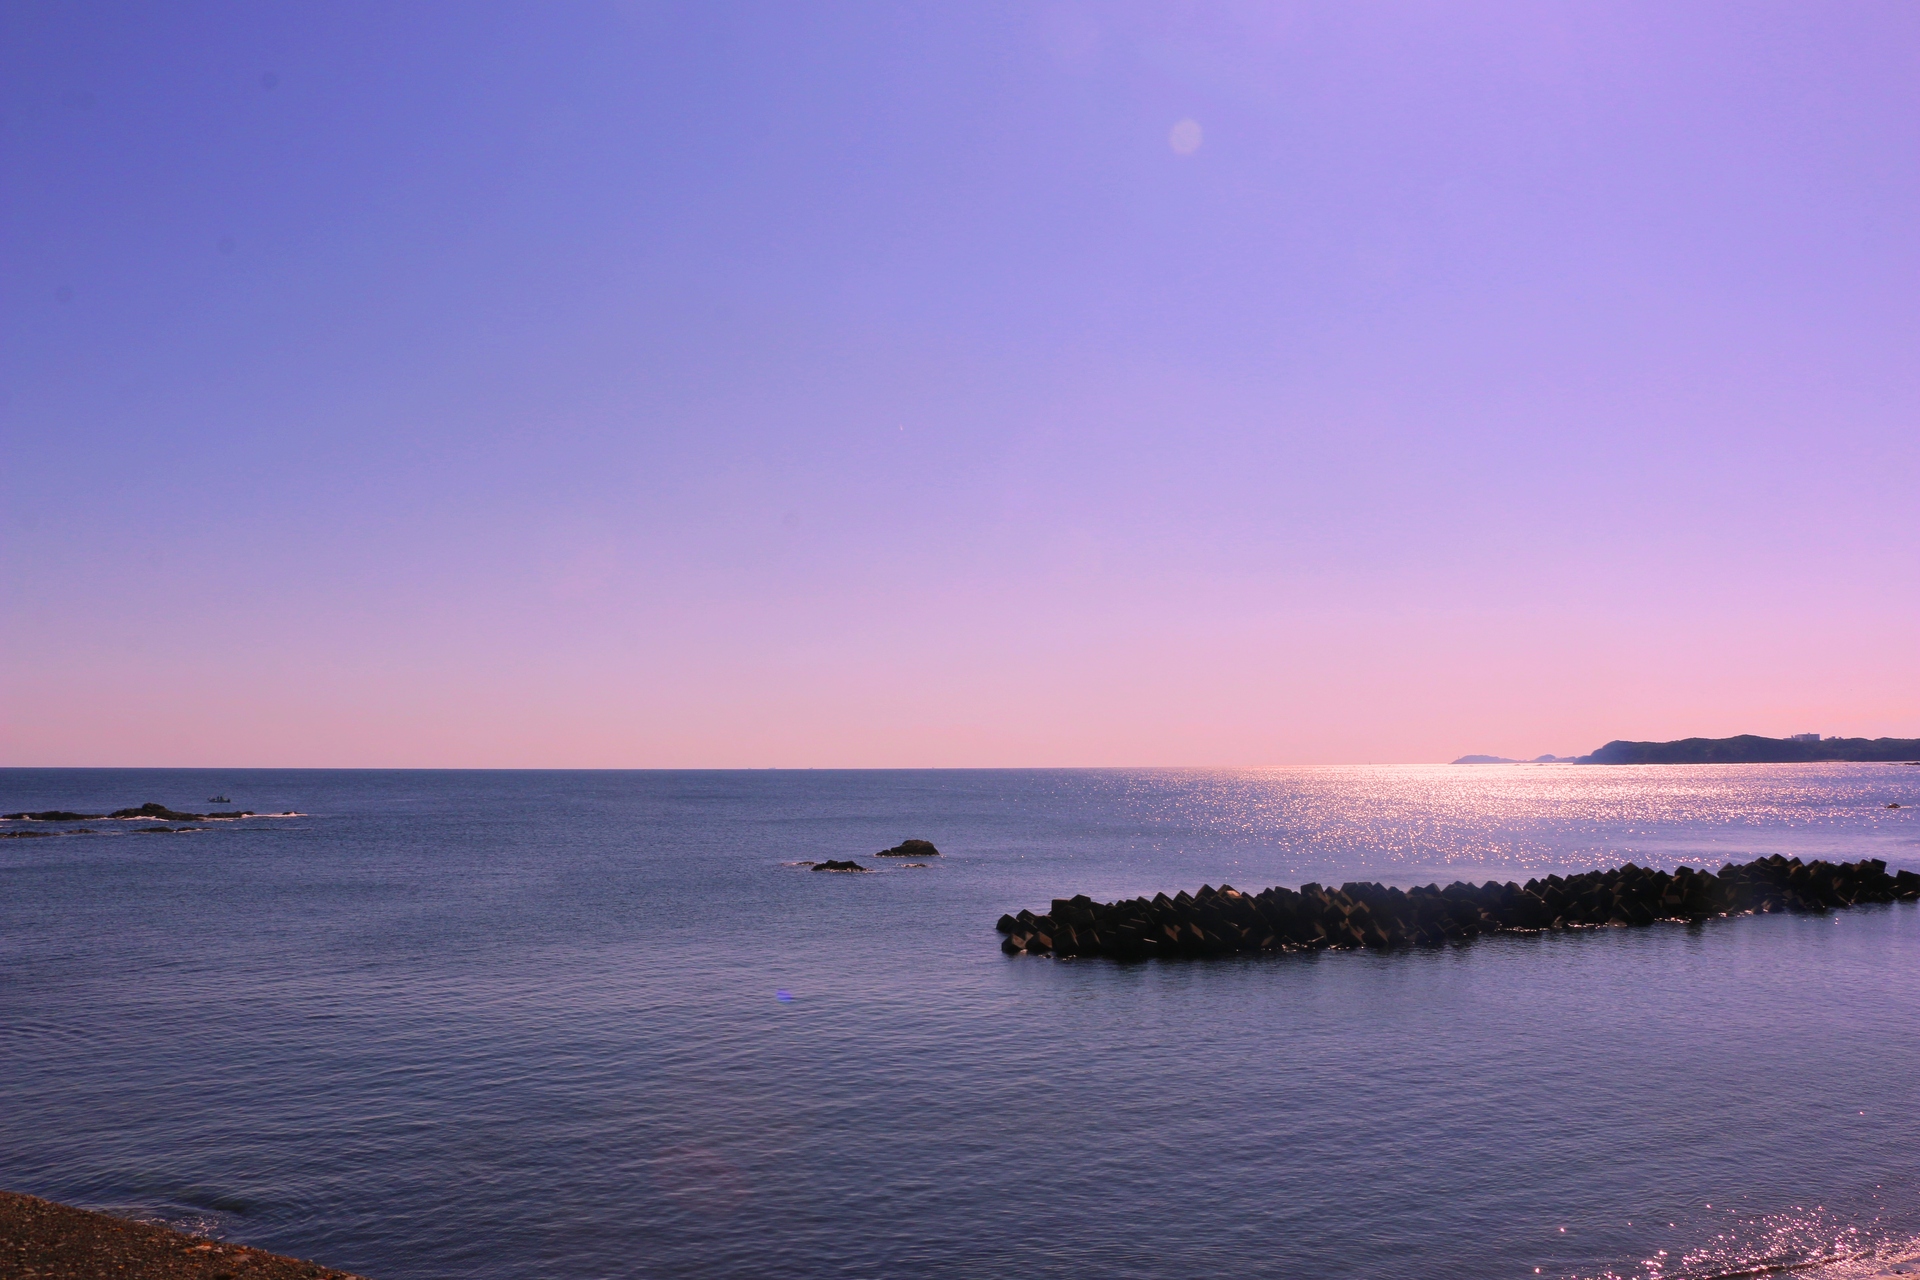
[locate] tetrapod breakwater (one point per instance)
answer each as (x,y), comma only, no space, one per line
(1226,921)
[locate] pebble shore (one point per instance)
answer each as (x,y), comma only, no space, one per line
(49,1241)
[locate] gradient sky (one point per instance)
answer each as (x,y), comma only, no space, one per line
(645,385)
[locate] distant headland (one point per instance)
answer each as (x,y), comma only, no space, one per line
(1747,748)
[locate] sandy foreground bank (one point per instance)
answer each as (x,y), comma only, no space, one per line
(50,1241)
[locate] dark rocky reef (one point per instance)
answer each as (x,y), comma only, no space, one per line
(1225,921)
(161,813)
(153,810)
(831,865)
(910,849)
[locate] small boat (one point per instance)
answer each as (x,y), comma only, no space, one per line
(219,800)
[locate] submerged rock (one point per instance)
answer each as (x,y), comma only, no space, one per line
(1225,921)
(23,835)
(52,815)
(910,849)
(831,865)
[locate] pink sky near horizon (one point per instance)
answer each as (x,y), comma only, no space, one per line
(640,386)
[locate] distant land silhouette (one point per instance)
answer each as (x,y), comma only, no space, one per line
(1748,748)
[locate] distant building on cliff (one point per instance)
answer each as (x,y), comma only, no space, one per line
(1803,737)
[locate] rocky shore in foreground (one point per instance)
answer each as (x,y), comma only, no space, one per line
(49,1241)
(1225,921)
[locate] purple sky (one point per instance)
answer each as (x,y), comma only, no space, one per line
(641,385)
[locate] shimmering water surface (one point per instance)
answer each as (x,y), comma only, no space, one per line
(531,1024)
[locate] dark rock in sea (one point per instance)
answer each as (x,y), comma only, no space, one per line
(1225,921)
(153,831)
(831,865)
(910,849)
(54,815)
(23,835)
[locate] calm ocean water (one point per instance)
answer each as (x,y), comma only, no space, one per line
(532,1024)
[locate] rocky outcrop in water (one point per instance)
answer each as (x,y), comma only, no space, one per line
(831,865)
(1225,921)
(161,813)
(910,849)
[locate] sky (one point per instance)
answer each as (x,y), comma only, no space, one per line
(644,385)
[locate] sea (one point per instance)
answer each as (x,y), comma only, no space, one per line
(606,1024)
